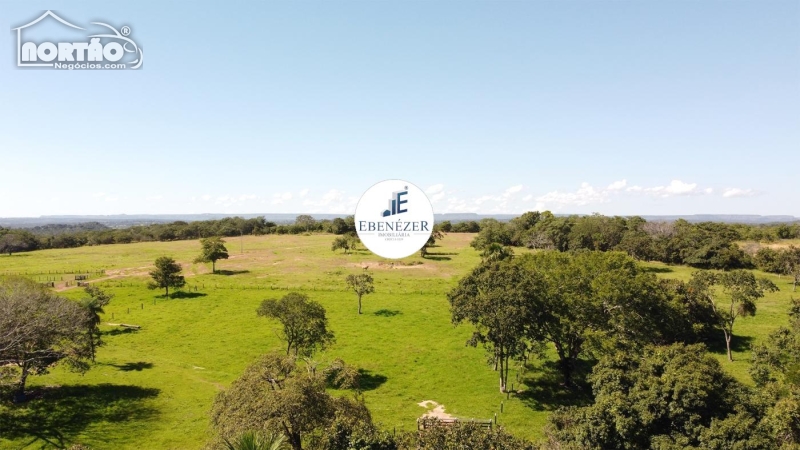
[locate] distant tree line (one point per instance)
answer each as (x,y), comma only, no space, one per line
(708,245)
(704,245)
(70,236)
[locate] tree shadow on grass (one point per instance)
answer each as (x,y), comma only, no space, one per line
(657,269)
(230,272)
(738,343)
(368,381)
(443,253)
(55,415)
(545,389)
(183,295)
(118,331)
(433,257)
(133,366)
(387,312)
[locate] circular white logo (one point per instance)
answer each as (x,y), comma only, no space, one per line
(394,219)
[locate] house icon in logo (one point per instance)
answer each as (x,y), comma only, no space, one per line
(396,202)
(104,50)
(19,29)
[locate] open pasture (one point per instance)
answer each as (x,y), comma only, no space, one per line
(153,388)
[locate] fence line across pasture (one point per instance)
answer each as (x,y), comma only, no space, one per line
(53,272)
(270,287)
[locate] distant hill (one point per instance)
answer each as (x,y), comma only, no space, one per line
(56,224)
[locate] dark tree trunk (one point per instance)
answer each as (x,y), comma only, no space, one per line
(91,341)
(728,337)
(359,304)
(295,442)
(19,395)
(502,379)
(566,366)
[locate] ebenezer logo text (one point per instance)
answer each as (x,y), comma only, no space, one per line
(394,219)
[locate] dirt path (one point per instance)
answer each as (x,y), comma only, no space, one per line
(437,411)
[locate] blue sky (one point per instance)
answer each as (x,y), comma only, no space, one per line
(618,107)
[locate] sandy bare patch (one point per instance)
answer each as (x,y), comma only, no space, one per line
(386,266)
(435,410)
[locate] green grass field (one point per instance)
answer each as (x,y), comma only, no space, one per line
(153,388)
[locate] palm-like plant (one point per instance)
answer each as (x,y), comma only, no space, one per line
(253,440)
(94,307)
(497,252)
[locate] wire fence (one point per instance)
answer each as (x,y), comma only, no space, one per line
(202,287)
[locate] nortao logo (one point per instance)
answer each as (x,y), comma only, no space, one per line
(95,51)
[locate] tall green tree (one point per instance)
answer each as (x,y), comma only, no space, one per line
(342,243)
(12,243)
(93,304)
(305,326)
(496,252)
(500,299)
(213,249)
(462,436)
(436,235)
(278,394)
(594,302)
(38,330)
(775,369)
(166,275)
(305,221)
(740,290)
(790,259)
(492,231)
(362,284)
(671,398)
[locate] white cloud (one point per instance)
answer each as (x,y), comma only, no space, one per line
(333,202)
(527,197)
(206,198)
(617,185)
(435,189)
(737,192)
(303,193)
(154,198)
(676,187)
(585,195)
(435,193)
(494,204)
(280,198)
